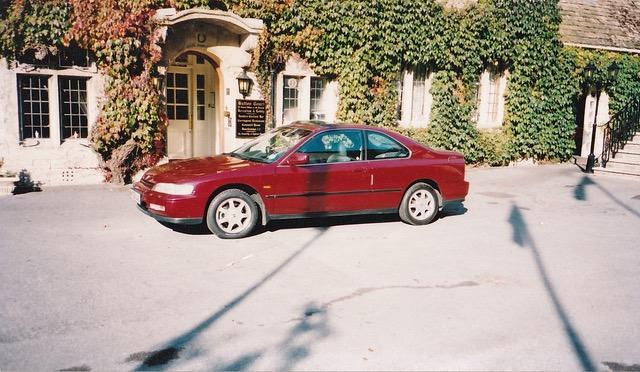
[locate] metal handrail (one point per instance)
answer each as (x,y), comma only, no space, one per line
(620,129)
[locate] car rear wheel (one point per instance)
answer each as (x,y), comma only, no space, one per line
(419,205)
(232,214)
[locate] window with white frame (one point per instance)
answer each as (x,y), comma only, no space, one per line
(415,110)
(74,121)
(33,98)
(491,98)
(418,109)
(318,86)
(290,95)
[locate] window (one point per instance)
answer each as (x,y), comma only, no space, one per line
(334,146)
(493,96)
(33,96)
(418,107)
(381,146)
(318,86)
(73,56)
(177,96)
(415,97)
(490,100)
(290,93)
(74,122)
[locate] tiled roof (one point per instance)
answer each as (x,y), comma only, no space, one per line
(601,24)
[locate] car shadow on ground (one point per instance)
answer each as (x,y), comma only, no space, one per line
(449,210)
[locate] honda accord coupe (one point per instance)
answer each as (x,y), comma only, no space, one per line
(306,169)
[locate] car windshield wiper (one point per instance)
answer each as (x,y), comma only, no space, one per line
(245,157)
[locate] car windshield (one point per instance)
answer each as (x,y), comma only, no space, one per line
(270,146)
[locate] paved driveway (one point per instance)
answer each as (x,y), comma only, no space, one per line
(539,269)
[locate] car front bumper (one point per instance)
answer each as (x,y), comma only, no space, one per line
(173,220)
(187,209)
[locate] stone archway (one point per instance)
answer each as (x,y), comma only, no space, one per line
(217,46)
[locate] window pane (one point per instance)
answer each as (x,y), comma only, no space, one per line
(334,146)
(171,112)
(182,113)
(380,146)
(200,81)
(317,90)
(200,112)
(182,96)
(181,80)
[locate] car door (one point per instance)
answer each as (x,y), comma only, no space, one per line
(389,167)
(336,179)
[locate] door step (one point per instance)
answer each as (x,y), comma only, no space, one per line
(617,167)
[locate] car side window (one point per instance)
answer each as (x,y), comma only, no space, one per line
(381,146)
(334,146)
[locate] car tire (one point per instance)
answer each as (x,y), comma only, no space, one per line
(419,205)
(232,214)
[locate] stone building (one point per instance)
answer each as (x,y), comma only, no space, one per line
(49,108)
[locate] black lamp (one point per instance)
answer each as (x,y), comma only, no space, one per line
(589,71)
(613,70)
(244,84)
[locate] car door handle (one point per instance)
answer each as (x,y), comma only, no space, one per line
(360,170)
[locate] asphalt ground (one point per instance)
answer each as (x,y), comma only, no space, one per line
(538,270)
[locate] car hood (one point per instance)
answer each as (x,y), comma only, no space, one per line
(185,171)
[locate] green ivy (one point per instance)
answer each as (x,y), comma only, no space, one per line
(32,26)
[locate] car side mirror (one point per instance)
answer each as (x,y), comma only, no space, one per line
(298,158)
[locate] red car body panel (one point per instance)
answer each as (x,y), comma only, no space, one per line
(283,190)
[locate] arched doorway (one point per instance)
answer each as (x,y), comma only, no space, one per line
(192,90)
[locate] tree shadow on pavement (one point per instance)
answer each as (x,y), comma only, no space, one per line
(580,193)
(163,356)
(523,238)
(311,327)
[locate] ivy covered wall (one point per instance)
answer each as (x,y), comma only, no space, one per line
(365,45)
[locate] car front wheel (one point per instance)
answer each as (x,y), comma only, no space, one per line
(419,205)
(232,214)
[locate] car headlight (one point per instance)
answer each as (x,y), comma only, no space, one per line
(173,188)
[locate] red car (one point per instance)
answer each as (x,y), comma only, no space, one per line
(306,169)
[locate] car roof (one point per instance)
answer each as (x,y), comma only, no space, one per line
(316,125)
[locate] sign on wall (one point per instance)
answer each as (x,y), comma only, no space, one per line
(250,117)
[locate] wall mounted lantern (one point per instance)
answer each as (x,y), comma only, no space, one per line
(244,84)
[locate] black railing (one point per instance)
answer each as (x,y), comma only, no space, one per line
(620,129)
